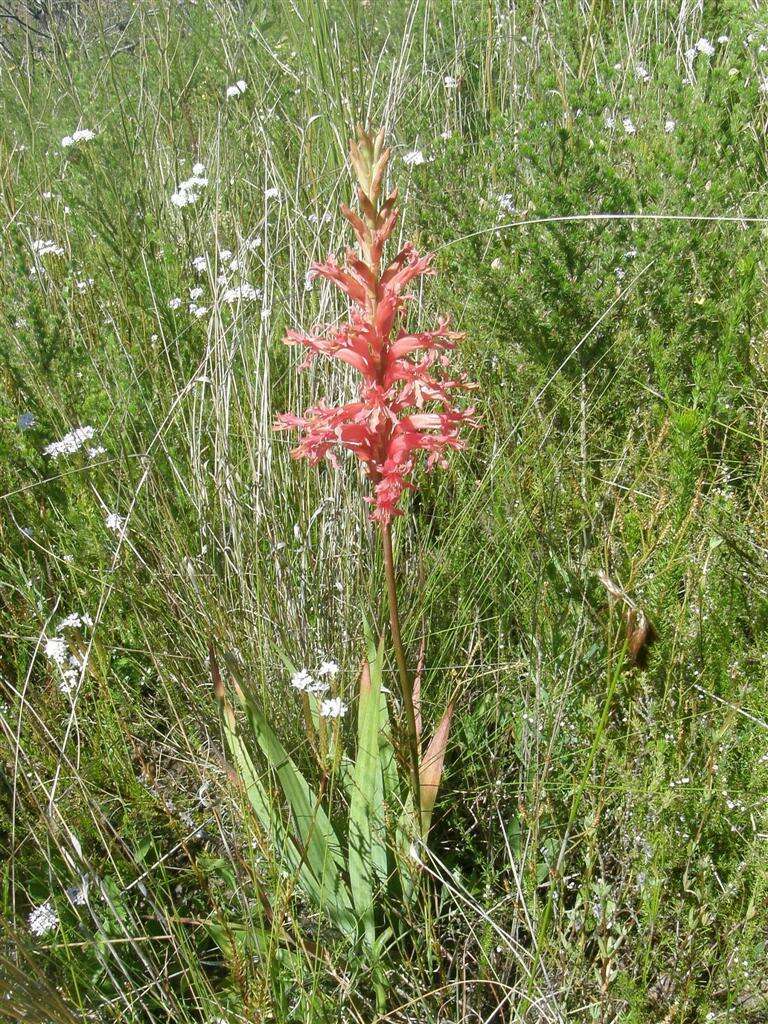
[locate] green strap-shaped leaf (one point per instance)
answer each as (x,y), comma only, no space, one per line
(367,849)
(319,845)
(286,848)
(397,818)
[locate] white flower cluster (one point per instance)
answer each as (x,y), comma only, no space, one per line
(46,247)
(333,708)
(188,192)
(70,443)
(57,651)
(114,522)
(233,91)
(229,287)
(240,293)
(413,158)
(704,46)
(81,135)
(304,682)
(43,919)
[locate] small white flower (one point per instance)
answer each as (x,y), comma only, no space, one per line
(630,254)
(95,451)
(450,82)
(46,247)
(506,203)
(620,273)
(722,40)
(704,46)
(198,170)
(628,126)
(763,87)
(199,311)
(318,688)
(71,621)
(301,680)
(233,91)
(413,158)
(43,919)
(225,254)
(253,243)
(642,74)
(174,303)
(241,293)
(199,263)
(81,135)
(669,125)
(333,708)
(83,286)
(446,134)
(69,680)
(309,279)
(610,122)
(56,649)
(114,522)
(328,668)
(26,421)
(272,193)
(70,443)
(195,293)
(188,191)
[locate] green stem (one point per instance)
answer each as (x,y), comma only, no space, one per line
(405,680)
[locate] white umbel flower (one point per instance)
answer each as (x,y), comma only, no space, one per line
(301,680)
(56,649)
(43,919)
(328,668)
(704,46)
(333,708)
(240,293)
(233,91)
(413,158)
(114,522)
(70,443)
(81,135)
(46,247)
(188,192)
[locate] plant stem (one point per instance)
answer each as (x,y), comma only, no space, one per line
(405,680)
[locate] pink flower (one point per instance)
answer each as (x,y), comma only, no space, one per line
(405,400)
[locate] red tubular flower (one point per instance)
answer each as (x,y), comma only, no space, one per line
(405,404)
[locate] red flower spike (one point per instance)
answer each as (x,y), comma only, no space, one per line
(405,405)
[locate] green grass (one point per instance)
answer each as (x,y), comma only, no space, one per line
(599,847)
